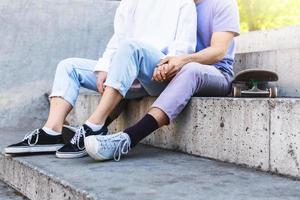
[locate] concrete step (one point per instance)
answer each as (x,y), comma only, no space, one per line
(7,193)
(258,133)
(146,173)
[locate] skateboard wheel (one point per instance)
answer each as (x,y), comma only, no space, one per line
(273,92)
(237,92)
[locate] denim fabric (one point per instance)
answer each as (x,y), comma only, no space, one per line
(137,61)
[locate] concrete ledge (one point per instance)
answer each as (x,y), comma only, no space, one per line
(257,133)
(35,183)
(36,177)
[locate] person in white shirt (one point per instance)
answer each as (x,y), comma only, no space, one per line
(146,31)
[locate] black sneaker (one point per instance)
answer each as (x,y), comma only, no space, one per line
(75,148)
(68,133)
(37,141)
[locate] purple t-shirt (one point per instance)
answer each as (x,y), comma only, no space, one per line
(218,16)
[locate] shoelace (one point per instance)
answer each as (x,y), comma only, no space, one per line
(122,147)
(30,135)
(76,139)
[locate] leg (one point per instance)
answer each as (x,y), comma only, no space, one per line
(133,60)
(71,74)
(159,115)
(110,99)
(59,109)
(193,78)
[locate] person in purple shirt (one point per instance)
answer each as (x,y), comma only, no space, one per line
(208,72)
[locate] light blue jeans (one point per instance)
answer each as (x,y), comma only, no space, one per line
(137,61)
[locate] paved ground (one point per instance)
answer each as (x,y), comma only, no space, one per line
(150,173)
(7,193)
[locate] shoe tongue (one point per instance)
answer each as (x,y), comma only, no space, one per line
(87,129)
(41,131)
(78,140)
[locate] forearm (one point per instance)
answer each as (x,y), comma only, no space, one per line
(208,56)
(171,65)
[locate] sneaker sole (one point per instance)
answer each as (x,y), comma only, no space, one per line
(70,155)
(91,146)
(33,149)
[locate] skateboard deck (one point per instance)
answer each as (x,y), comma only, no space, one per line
(255,83)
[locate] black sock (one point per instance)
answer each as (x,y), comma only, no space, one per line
(141,129)
(108,121)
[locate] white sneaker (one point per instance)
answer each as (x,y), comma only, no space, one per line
(107,147)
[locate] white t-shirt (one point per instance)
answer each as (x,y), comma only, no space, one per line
(168,25)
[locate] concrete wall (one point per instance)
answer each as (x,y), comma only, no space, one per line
(277,50)
(35,36)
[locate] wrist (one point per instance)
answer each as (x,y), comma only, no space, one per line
(187,59)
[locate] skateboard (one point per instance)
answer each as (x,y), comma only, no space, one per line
(255,83)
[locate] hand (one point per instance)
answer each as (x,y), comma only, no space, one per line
(174,65)
(101,78)
(159,74)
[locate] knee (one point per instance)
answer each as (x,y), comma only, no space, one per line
(192,70)
(66,65)
(129,46)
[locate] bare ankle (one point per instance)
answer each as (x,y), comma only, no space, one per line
(56,128)
(96,121)
(160,116)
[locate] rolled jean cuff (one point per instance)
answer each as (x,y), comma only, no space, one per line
(116,85)
(70,100)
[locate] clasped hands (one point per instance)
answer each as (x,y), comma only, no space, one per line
(168,67)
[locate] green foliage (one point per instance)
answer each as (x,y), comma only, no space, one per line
(266,14)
